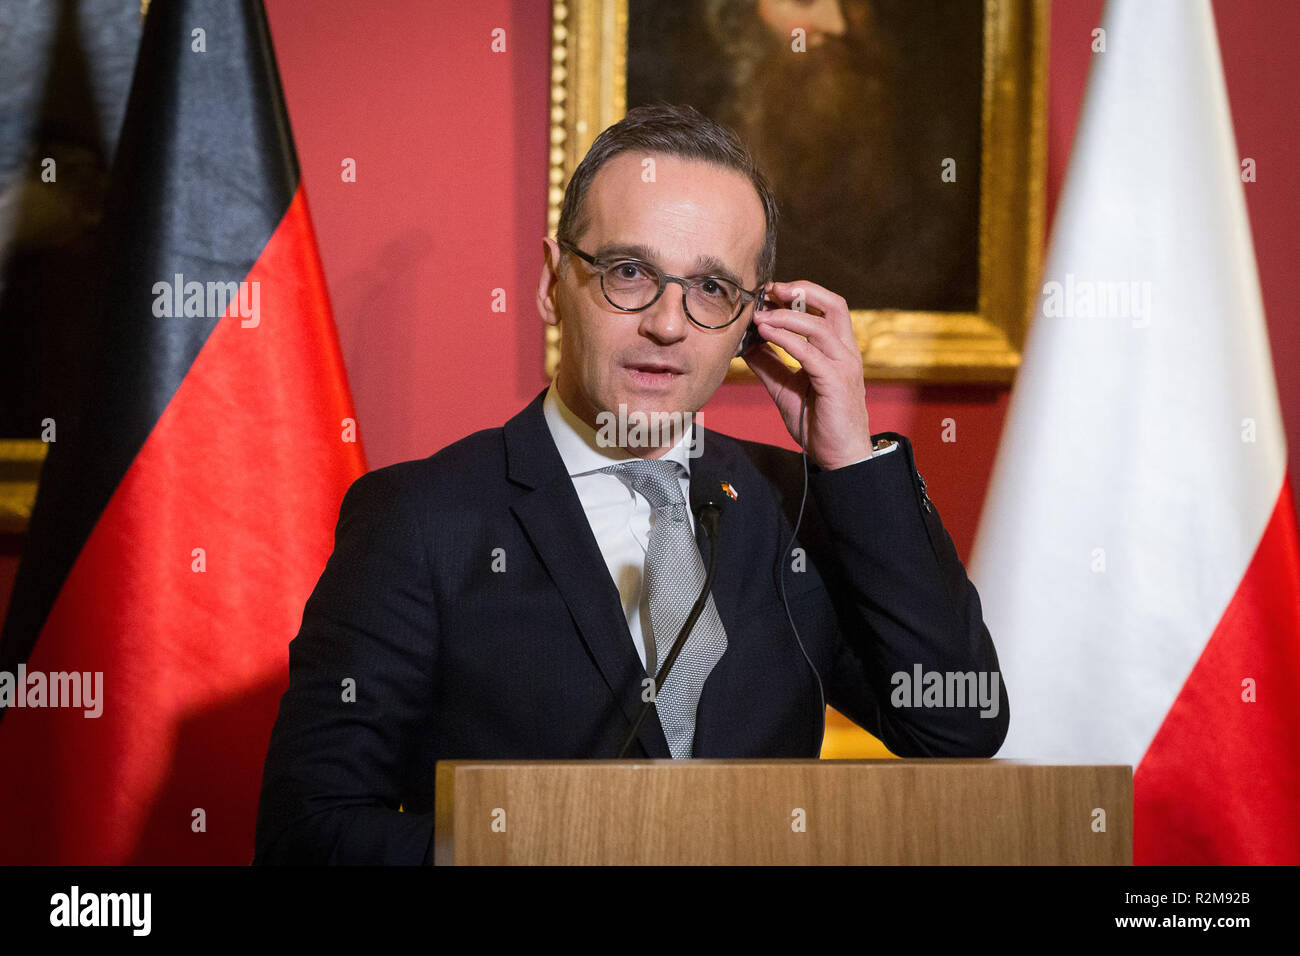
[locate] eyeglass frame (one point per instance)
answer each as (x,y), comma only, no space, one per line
(747,295)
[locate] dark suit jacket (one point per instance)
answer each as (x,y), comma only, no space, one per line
(453,660)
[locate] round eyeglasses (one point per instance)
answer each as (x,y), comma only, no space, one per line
(631,285)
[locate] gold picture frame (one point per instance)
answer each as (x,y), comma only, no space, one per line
(20,471)
(589,57)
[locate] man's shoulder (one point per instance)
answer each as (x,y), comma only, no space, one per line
(748,464)
(476,466)
(453,472)
(761,454)
(773,461)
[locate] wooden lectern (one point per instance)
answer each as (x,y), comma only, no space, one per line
(782,812)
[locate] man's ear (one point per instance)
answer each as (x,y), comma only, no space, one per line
(548,282)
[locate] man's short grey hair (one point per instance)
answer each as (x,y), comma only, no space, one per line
(681,131)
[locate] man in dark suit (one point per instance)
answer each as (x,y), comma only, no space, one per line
(514,596)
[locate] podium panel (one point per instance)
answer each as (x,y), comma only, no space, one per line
(763,812)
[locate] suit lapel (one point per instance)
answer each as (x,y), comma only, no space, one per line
(553,519)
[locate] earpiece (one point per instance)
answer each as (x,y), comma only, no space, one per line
(751,340)
(752,337)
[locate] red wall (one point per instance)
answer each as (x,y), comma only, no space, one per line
(450,203)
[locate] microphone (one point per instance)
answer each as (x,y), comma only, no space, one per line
(709,499)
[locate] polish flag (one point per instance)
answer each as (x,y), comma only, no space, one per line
(1138,558)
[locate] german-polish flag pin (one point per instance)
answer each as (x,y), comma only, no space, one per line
(731,492)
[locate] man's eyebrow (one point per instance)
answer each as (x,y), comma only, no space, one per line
(704,264)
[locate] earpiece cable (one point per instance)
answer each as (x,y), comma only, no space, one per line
(785,556)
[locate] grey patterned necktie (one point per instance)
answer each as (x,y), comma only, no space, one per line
(674,575)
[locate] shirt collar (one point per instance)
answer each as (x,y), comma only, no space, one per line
(576,440)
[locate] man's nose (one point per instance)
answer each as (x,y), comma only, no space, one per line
(666,321)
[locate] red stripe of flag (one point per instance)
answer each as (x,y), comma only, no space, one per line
(1220,783)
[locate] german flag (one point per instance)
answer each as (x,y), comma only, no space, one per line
(184,517)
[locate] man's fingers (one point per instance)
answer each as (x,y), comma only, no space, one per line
(818,300)
(816,362)
(812,293)
(819,330)
(770,370)
(783,384)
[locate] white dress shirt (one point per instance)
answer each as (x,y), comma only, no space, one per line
(619,516)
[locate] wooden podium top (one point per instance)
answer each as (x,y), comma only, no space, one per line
(939,811)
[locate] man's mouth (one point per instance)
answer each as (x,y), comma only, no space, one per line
(654,373)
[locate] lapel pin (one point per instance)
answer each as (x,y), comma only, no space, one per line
(730,490)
